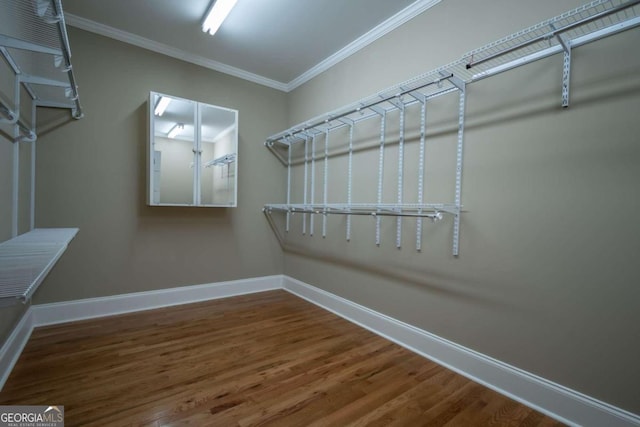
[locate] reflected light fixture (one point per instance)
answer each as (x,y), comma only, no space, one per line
(216,14)
(175,130)
(162,105)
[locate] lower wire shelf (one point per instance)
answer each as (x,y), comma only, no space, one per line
(26,260)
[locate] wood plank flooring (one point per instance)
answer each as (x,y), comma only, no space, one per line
(255,360)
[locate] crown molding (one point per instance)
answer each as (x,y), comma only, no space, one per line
(126,37)
(363,41)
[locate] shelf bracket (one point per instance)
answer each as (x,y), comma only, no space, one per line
(566,65)
(383,127)
(566,76)
(351,124)
(453,79)
(288,223)
(459,152)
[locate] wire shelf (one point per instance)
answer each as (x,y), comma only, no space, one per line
(573,28)
(31,21)
(426,86)
(584,24)
(27,259)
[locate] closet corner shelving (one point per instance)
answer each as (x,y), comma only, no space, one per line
(34,47)
(560,34)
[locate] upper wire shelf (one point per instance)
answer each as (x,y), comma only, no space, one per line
(576,27)
(582,25)
(426,86)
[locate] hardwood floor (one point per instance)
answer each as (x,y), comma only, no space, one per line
(262,359)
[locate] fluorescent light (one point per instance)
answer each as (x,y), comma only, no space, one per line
(216,15)
(175,130)
(162,105)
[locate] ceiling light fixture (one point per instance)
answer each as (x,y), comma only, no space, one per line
(217,13)
(175,130)
(162,105)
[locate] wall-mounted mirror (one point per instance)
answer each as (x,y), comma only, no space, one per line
(192,153)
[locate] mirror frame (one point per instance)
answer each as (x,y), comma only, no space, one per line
(227,160)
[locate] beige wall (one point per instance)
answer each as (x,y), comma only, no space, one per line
(91,175)
(547,274)
(547,277)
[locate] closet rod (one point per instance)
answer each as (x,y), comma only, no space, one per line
(362,107)
(554,33)
(436,216)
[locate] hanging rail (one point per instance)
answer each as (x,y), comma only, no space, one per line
(561,34)
(433,211)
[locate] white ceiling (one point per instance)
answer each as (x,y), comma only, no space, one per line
(277,43)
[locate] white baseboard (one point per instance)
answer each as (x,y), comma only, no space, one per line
(69,311)
(561,403)
(12,347)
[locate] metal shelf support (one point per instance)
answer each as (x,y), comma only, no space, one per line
(383,127)
(459,152)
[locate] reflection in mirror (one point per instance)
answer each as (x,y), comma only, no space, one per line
(173,152)
(219,155)
(192,153)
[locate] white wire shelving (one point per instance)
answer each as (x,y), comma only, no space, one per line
(416,92)
(36,71)
(35,46)
(27,259)
(221,161)
(561,34)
